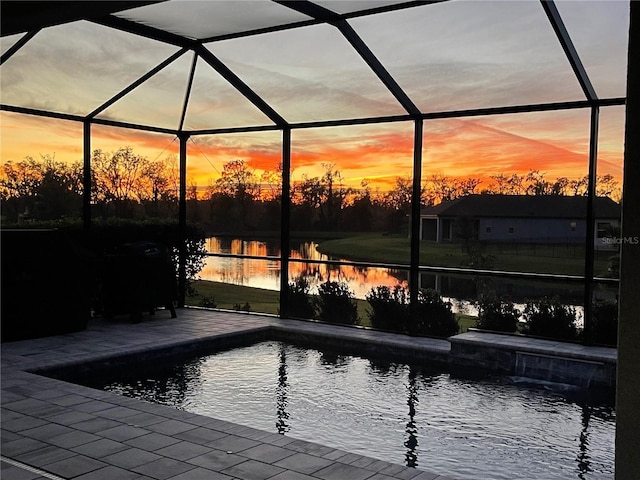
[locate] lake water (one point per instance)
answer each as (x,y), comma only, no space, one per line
(266,273)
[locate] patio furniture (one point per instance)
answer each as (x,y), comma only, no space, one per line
(138,277)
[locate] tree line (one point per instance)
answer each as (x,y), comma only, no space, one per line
(127,185)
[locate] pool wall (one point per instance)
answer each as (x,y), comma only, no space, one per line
(474,352)
(548,360)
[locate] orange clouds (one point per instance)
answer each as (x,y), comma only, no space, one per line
(24,135)
(466,148)
(555,143)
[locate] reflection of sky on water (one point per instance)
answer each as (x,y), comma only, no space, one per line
(266,273)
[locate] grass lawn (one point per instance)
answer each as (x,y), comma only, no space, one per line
(557,259)
(227,296)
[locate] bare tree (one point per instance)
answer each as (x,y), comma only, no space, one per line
(537,183)
(507,185)
(117,175)
(237,180)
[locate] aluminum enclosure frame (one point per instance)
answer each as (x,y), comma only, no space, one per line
(321,15)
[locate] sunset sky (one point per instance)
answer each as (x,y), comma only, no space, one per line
(448,56)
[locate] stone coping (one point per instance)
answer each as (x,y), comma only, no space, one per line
(524,344)
(54,429)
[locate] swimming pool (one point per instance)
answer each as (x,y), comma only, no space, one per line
(488,428)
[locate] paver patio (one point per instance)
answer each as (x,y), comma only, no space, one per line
(53,429)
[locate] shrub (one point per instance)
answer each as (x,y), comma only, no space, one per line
(300,303)
(208,302)
(605,322)
(245,308)
(495,313)
(335,304)
(434,316)
(613,268)
(547,317)
(477,258)
(389,308)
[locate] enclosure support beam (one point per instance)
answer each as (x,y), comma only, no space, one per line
(285,206)
(17,46)
(240,86)
(138,82)
(323,14)
(589,254)
(187,95)
(628,381)
(569,49)
(182,221)
(416,205)
(86,176)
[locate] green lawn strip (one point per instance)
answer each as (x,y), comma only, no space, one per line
(227,295)
(374,248)
(466,321)
(556,259)
(316,235)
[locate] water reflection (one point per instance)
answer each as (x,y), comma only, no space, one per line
(411,443)
(266,273)
(460,290)
(165,383)
(584,462)
(282,390)
(396,412)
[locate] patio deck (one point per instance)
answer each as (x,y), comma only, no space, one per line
(52,429)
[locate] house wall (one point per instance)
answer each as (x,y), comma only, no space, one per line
(543,231)
(523,230)
(532,230)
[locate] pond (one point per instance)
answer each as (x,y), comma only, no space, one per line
(266,273)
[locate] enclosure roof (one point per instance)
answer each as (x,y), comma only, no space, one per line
(20,16)
(214,66)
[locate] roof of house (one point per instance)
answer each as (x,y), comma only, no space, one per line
(523,206)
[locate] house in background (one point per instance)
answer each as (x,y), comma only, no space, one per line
(520,219)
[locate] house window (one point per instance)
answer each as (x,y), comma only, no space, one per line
(573,226)
(488,229)
(604,229)
(511,230)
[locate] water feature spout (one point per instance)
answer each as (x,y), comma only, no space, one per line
(556,369)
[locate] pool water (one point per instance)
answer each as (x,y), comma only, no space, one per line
(486,428)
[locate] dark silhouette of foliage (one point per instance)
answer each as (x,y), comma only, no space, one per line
(300,302)
(128,185)
(535,183)
(389,308)
(497,314)
(433,316)
(605,322)
(43,190)
(207,302)
(244,308)
(547,317)
(477,257)
(335,304)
